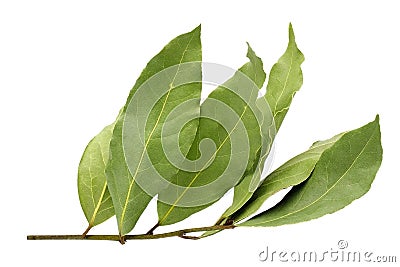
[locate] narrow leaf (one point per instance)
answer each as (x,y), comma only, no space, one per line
(293,172)
(136,148)
(285,79)
(343,173)
(212,128)
(93,193)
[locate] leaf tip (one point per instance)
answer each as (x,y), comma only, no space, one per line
(196,31)
(250,50)
(291,33)
(376,122)
(292,43)
(198,28)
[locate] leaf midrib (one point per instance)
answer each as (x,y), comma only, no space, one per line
(285,84)
(91,223)
(100,201)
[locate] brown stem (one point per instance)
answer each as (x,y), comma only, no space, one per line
(180,233)
(86,231)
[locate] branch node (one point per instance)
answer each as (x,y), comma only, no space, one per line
(229,221)
(122,239)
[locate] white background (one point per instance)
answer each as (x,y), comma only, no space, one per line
(66,68)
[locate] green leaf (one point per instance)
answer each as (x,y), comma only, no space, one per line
(119,178)
(285,79)
(292,172)
(245,82)
(136,143)
(343,173)
(94,197)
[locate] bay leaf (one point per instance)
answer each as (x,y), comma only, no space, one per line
(93,192)
(132,154)
(285,79)
(343,174)
(231,95)
(292,172)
